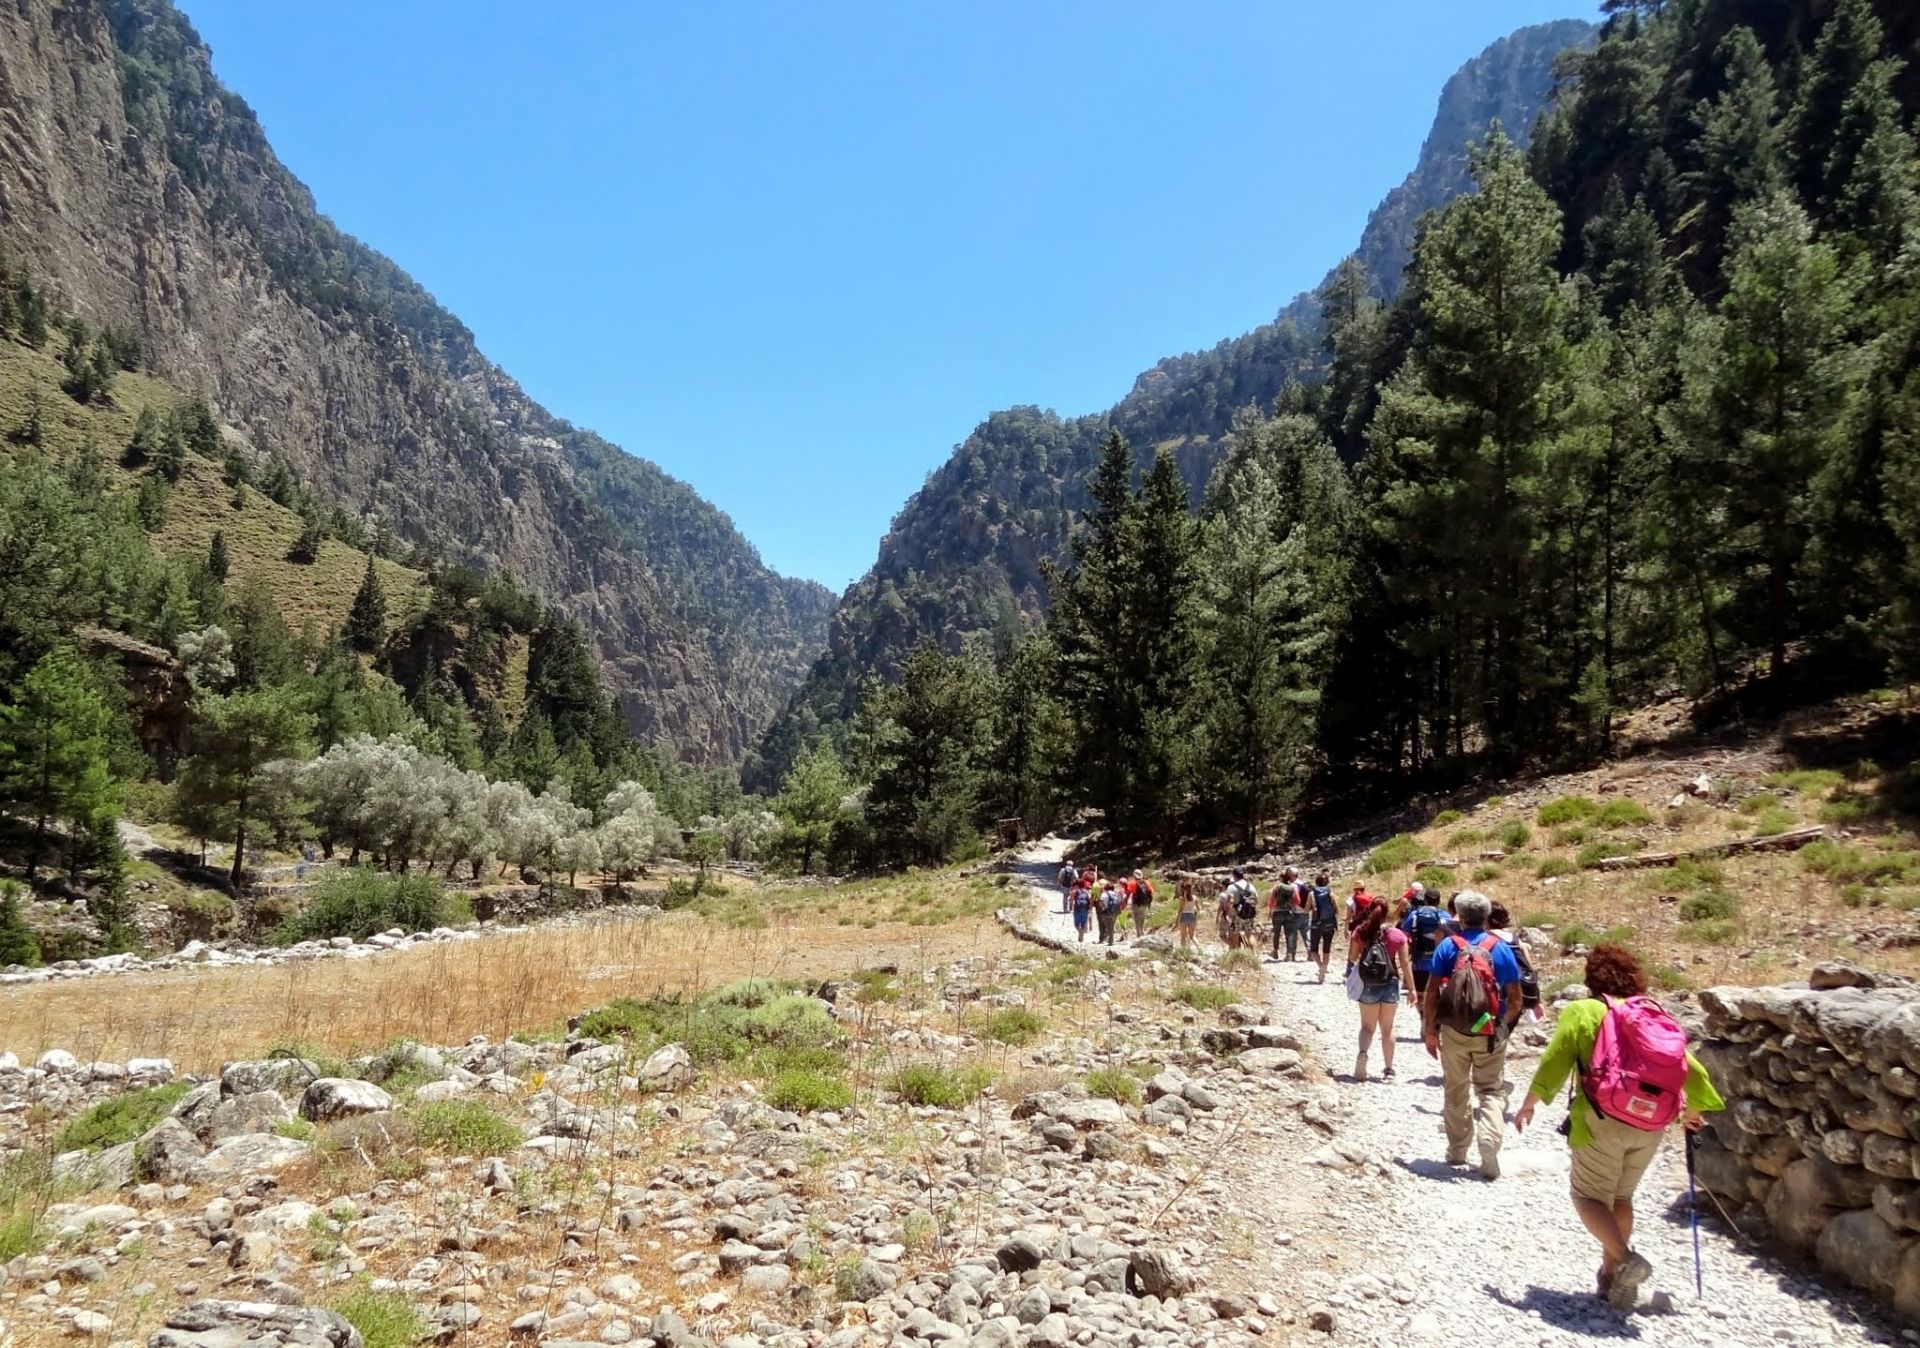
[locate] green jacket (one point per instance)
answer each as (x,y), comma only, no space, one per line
(1572,1047)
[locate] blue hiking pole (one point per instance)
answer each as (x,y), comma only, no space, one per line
(1693,1202)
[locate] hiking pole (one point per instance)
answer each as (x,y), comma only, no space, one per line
(1693,1202)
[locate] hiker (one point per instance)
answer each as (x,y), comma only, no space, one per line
(1469,1008)
(1299,910)
(1069,877)
(1223,912)
(1111,899)
(1142,903)
(1636,1078)
(1282,901)
(1499,924)
(1425,925)
(1357,904)
(1377,956)
(1246,905)
(1189,901)
(1082,908)
(1325,920)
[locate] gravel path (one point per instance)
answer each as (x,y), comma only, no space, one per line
(1371,1224)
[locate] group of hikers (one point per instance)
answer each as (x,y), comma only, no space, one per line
(1472,982)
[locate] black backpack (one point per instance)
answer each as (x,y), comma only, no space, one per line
(1529,980)
(1376,966)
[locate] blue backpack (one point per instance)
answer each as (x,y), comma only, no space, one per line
(1423,924)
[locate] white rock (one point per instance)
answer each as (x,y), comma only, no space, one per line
(339,1097)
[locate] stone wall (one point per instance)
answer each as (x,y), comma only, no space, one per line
(1818,1151)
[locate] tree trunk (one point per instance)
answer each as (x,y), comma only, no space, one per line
(239,857)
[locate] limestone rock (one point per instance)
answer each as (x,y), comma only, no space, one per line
(667,1068)
(342,1097)
(1158,1273)
(254,1324)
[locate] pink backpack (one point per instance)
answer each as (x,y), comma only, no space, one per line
(1639,1069)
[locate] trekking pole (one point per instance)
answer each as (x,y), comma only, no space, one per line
(1693,1202)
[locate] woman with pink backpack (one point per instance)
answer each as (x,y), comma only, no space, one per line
(1636,1078)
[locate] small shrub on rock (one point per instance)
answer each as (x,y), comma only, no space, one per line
(1113,1083)
(803,1091)
(1205,996)
(359,903)
(1014,1025)
(931,1084)
(120,1119)
(1566,810)
(1548,867)
(1446,818)
(1513,835)
(1623,813)
(463,1128)
(384,1319)
(1396,853)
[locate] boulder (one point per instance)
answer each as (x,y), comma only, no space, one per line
(1861,1249)
(1019,1254)
(254,1324)
(167,1153)
(667,1068)
(249,1154)
(1095,1112)
(1158,1273)
(254,1112)
(342,1097)
(287,1075)
(1898,1204)
(1285,1061)
(1271,1036)
(84,1171)
(863,1282)
(1840,974)
(57,1060)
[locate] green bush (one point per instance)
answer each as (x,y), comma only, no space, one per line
(1396,853)
(1572,835)
(119,1119)
(463,1128)
(1462,838)
(1623,813)
(1669,979)
(1013,1025)
(803,1092)
(1204,996)
(1846,864)
(1513,835)
(18,944)
(766,1034)
(384,1319)
(27,1188)
(944,1088)
(1847,808)
(361,902)
(1486,870)
(1598,851)
(1710,903)
(1113,1083)
(1539,917)
(1769,822)
(1566,810)
(1547,867)
(1437,879)
(748,993)
(1714,931)
(1446,818)
(1806,781)
(1579,933)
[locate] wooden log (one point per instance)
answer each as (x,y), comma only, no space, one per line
(1790,841)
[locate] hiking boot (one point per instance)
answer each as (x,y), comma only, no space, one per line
(1489,1167)
(1625,1291)
(1387,1074)
(1360,1068)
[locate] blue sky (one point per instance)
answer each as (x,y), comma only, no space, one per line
(795,252)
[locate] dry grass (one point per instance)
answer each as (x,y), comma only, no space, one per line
(525,981)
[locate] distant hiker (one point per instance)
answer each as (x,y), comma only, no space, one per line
(1142,903)
(1325,921)
(1299,913)
(1636,1078)
(1425,925)
(1283,901)
(1377,956)
(1112,897)
(1223,912)
(1357,905)
(1246,906)
(1069,877)
(1498,923)
(1189,902)
(1082,908)
(1471,1003)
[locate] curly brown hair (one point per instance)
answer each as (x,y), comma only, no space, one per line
(1612,972)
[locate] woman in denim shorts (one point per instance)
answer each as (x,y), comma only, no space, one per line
(1379,1003)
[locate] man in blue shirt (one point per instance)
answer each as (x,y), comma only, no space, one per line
(1473,1058)
(1426,927)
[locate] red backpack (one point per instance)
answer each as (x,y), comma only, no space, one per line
(1471,994)
(1639,1070)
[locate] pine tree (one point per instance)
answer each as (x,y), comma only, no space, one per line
(922,744)
(811,802)
(226,785)
(217,562)
(53,749)
(1739,146)
(145,444)
(169,453)
(367,619)
(18,944)
(1842,60)
(31,305)
(306,546)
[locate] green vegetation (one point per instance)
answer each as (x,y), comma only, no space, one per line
(384,1319)
(1437,879)
(463,1128)
(1712,903)
(1539,917)
(803,1091)
(754,1024)
(1623,813)
(1013,1025)
(1395,854)
(1113,1083)
(1204,996)
(1462,838)
(940,1086)
(1846,864)
(1566,810)
(359,903)
(1514,835)
(1446,818)
(1485,871)
(1806,781)
(121,1118)
(1573,934)
(1598,851)
(1712,931)
(27,1190)
(1550,866)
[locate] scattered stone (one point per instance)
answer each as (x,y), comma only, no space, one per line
(341,1097)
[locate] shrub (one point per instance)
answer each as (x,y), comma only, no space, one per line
(1759,801)
(1692,873)
(1486,870)
(1579,933)
(1547,867)
(1396,853)
(1806,781)
(384,1319)
(1850,865)
(930,1084)
(27,1188)
(1669,979)
(1013,1025)
(120,1119)
(1572,835)
(1539,917)
(1239,960)
(803,1092)
(18,944)
(1113,1083)
(1462,838)
(1566,810)
(1596,852)
(1714,931)
(1513,835)
(1435,878)
(1623,813)
(1711,903)
(1446,818)
(464,1128)
(748,993)
(301,1130)
(1848,807)
(1204,996)
(360,902)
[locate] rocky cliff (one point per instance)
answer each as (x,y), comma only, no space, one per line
(964,554)
(147,196)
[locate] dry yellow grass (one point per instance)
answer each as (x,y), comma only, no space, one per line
(511,981)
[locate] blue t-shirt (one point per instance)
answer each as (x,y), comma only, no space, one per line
(1506,969)
(1434,920)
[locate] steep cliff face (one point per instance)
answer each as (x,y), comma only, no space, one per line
(964,555)
(147,195)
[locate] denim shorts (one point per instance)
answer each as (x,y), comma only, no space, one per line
(1388,991)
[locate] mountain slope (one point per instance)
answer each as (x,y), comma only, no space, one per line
(148,196)
(964,555)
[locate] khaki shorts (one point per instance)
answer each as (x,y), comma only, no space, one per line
(1608,1169)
